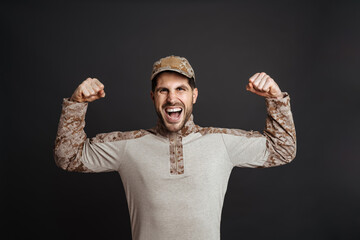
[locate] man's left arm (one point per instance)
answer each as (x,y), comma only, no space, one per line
(279,128)
(277,145)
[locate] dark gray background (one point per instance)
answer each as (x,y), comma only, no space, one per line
(311,48)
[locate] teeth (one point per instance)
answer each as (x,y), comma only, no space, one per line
(173,110)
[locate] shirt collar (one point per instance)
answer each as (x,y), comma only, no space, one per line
(188,128)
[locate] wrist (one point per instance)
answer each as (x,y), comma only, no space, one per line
(277,96)
(280,96)
(74,99)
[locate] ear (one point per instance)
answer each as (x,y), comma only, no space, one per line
(195,95)
(152,96)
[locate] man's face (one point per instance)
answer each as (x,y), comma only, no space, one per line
(173,100)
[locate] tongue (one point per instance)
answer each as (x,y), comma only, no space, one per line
(174,114)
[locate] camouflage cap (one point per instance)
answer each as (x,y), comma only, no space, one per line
(173,63)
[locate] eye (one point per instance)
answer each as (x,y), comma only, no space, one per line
(180,89)
(163,90)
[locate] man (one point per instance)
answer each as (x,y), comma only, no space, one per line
(175,175)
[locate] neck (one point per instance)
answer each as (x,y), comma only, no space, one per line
(188,128)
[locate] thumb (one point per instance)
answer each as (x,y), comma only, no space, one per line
(101,93)
(250,87)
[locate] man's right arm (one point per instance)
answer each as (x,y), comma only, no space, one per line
(71,136)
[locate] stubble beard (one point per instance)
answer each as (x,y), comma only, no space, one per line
(186,111)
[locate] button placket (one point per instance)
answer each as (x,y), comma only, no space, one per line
(176,155)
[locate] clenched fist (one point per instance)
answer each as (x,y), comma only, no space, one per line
(89,90)
(263,85)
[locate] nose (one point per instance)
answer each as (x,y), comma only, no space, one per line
(171,98)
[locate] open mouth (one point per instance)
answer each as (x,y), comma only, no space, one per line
(173,114)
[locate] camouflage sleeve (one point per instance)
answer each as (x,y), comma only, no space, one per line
(71,137)
(276,146)
(280,132)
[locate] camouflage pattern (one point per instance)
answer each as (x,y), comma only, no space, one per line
(175,64)
(71,137)
(280,132)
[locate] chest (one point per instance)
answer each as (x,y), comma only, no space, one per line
(177,156)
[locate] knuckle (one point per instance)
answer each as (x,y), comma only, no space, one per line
(82,87)
(100,84)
